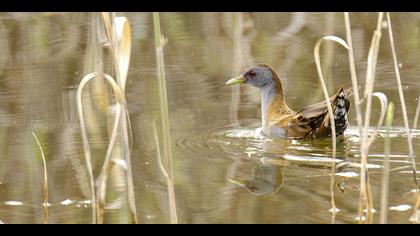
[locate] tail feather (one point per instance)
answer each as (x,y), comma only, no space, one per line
(340,105)
(340,108)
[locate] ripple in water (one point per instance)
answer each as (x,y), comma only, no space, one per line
(231,143)
(291,171)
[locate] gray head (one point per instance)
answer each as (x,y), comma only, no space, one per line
(259,76)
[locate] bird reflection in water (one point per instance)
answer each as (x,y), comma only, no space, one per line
(256,175)
(264,175)
(263,180)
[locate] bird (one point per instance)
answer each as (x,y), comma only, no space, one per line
(263,180)
(279,121)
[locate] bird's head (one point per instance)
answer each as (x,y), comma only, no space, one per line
(258,76)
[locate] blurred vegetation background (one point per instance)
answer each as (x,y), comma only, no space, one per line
(45,55)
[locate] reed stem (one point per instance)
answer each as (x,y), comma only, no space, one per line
(365,197)
(353,74)
(98,206)
(163,101)
(330,113)
(238,23)
(45,187)
(416,117)
(119,35)
(411,154)
(385,170)
(402,99)
(169,184)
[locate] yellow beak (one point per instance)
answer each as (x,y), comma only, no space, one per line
(237,80)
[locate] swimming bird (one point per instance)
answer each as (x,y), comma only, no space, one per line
(278,120)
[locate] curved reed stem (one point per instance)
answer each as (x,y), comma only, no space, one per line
(45,187)
(385,170)
(102,178)
(330,111)
(384,104)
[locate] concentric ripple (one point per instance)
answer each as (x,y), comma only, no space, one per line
(233,143)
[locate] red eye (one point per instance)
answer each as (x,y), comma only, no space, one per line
(252,73)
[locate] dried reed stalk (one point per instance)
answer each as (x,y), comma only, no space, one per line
(404,110)
(330,111)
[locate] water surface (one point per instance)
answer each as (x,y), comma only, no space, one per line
(225,170)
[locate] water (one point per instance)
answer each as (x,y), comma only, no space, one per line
(225,170)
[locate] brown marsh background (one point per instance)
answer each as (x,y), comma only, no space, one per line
(224,171)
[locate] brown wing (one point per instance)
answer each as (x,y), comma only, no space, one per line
(318,117)
(320,108)
(294,125)
(313,121)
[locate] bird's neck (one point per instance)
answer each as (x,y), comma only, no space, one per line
(271,95)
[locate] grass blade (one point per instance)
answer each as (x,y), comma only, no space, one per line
(169,184)
(416,117)
(163,100)
(385,170)
(45,187)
